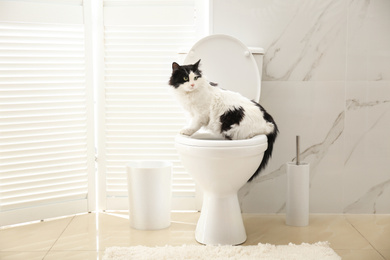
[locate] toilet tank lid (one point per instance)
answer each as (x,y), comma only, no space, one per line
(256,50)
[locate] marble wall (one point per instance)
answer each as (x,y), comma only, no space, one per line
(326,77)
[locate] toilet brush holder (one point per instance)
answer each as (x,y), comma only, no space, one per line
(297,202)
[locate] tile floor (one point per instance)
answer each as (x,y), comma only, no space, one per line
(365,237)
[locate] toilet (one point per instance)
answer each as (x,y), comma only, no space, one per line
(221,167)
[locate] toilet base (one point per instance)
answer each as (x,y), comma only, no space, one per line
(220,221)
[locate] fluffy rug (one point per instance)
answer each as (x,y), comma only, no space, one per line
(317,251)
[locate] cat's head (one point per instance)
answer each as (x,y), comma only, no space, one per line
(186,77)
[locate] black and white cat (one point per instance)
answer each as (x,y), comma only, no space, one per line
(221,111)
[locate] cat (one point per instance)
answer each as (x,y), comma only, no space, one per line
(220,111)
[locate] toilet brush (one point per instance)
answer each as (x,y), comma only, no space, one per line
(297,202)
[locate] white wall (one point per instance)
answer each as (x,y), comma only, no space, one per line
(326,77)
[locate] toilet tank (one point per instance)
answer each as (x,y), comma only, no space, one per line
(258,54)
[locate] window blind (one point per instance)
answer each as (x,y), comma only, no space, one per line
(46,153)
(141,118)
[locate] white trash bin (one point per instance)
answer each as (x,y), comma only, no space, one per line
(149,189)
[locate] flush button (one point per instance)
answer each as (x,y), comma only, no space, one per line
(246,54)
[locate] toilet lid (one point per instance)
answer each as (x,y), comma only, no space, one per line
(228,62)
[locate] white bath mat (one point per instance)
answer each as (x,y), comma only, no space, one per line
(317,251)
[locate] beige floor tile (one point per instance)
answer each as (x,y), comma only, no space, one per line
(33,237)
(73,255)
(385,253)
(80,237)
(114,230)
(369,254)
(81,234)
(333,228)
(22,255)
(376,228)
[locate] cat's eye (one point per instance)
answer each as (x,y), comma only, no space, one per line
(185,78)
(196,77)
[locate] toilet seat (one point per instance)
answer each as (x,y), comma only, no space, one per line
(229,63)
(210,140)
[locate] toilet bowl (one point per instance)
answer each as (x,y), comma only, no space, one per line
(221,167)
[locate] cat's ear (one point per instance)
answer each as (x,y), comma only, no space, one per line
(196,65)
(175,66)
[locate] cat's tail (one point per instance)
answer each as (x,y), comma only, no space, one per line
(268,153)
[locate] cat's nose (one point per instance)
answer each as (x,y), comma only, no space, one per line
(192,84)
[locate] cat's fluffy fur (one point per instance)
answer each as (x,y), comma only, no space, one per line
(221,111)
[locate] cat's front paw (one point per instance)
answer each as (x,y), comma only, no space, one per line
(187,131)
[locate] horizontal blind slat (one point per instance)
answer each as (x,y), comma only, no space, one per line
(64,168)
(10,181)
(43,199)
